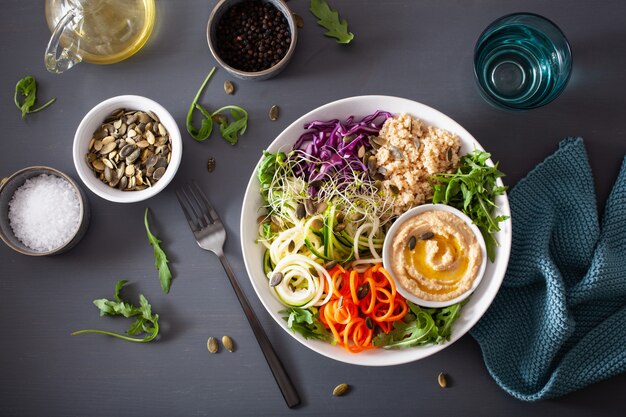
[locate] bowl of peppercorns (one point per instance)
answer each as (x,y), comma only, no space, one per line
(252,39)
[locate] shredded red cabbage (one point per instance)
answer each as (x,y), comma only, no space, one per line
(323,142)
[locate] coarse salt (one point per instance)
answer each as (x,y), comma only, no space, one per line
(44,213)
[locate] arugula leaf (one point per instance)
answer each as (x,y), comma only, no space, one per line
(27,88)
(160,258)
(473,190)
(229,131)
(329,19)
(267,169)
(307,323)
(421,327)
(206,126)
(146,322)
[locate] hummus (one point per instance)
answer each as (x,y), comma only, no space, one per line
(436,256)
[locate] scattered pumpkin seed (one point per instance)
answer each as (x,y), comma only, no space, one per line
(229,88)
(276,279)
(417,143)
(412,242)
(340,390)
(441,379)
(228,343)
(212,345)
(427,235)
(330,265)
(396,153)
(291,246)
(300,211)
(349,138)
(299,20)
(371,164)
(449,154)
(210,165)
(362,291)
(394,189)
(361,152)
(369,323)
(274,110)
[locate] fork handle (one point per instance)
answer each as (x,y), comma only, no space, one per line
(280,375)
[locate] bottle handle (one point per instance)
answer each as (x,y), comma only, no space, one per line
(58,58)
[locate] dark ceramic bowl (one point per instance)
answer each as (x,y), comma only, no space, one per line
(218,11)
(7,189)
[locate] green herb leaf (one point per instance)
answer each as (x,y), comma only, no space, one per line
(146,322)
(307,323)
(473,190)
(267,168)
(329,20)
(27,88)
(421,327)
(230,131)
(160,258)
(207,124)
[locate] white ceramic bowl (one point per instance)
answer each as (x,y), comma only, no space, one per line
(253,253)
(94,119)
(393,230)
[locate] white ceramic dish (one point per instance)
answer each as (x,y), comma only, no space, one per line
(94,119)
(253,253)
(387,254)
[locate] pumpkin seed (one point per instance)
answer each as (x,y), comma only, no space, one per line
(210,165)
(427,235)
(394,189)
(441,379)
(299,20)
(369,323)
(124,143)
(158,173)
(412,242)
(371,164)
(340,390)
(417,143)
(228,343)
(361,152)
(362,291)
(317,224)
(276,279)
(229,88)
(212,345)
(321,207)
(396,153)
(300,211)
(274,111)
(309,207)
(330,265)
(291,246)
(349,138)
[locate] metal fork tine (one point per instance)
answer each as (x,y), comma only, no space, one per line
(203,207)
(213,213)
(197,213)
(192,223)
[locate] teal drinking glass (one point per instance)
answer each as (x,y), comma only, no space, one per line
(522,61)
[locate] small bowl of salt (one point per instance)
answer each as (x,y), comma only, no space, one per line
(42,211)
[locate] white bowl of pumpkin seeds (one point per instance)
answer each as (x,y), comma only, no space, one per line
(127,149)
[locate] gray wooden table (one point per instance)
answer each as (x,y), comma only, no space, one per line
(420,50)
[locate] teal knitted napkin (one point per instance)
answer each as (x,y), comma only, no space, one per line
(558,322)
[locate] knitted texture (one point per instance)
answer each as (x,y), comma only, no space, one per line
(558,322)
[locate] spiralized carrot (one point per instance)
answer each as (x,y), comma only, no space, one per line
(346,316)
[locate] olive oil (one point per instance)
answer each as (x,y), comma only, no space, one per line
(103,31)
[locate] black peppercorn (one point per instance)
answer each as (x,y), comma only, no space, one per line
(252,36)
